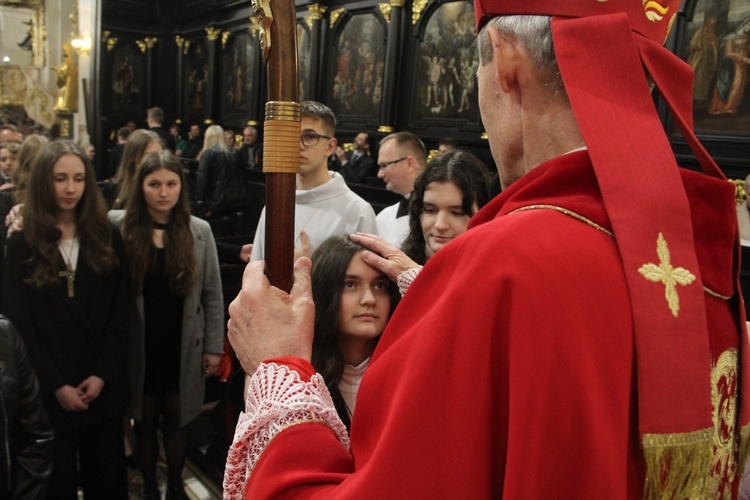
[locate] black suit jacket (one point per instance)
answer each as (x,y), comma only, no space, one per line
(165,137)
(70,339)
(249,157)
(359,169)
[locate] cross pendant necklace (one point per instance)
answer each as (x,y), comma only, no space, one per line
(69,274)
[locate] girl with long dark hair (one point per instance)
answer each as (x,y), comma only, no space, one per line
(177,338)
(448,192)
(353,303)
(66,291)
(451,188)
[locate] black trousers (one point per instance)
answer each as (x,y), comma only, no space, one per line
(99,449)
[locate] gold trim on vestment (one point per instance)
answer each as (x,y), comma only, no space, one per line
(567,212)
(703,463)
(596,226)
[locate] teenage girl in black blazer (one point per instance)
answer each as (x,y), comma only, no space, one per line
(66,292)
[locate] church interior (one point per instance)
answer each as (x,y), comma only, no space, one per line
(83,69)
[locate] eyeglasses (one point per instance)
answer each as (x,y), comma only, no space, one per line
(383,166)
(311,138)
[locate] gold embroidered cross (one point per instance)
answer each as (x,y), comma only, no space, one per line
(666,274)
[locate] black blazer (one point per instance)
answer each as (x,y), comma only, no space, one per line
(69,339)
(359,169)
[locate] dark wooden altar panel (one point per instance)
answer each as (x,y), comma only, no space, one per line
(130,10)
(354,79)
(709,35)
(341,62)
(194,81)
(127,73)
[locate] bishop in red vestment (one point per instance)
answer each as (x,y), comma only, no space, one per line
(584,339)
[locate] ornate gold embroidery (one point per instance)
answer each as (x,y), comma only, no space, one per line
(666,274)
(724,402)
(593,224)
(654,10)
(678,466)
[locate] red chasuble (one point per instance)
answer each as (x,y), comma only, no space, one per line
(509,368)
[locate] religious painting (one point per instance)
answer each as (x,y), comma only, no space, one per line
(446,64)
(303,60)
(195,80)
(238,62)
(360,59)
(128,82)
(717,47)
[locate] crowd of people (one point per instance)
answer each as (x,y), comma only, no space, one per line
(114,298)
(584,338)
(535,324)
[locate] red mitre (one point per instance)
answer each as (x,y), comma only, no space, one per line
(602,48)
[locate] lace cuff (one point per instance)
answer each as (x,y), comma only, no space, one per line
(276,399)
(406,278)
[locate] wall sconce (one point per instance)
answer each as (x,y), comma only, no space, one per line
(81,45)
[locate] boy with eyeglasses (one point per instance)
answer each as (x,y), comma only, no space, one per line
(325,206)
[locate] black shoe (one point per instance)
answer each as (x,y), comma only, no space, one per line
(176,492)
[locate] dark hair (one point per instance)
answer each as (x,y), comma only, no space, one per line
(461,168)
(138,228)
(320,111)
(39,224)
(123,132)
(26,157)
(448,141)
(132,155)
(330,261)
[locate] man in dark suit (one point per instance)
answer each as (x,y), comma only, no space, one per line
(359,165)
(155,119)
(194,142)
(249,155)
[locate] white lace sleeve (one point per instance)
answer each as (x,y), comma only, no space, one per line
(276,399)
(405,279)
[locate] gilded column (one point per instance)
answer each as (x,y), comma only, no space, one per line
(258,71)
(390,73)
(180,69)
(315,22)
(212,35)
(147,46)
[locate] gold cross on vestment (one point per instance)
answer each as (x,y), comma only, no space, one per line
(666,274)
(70,275)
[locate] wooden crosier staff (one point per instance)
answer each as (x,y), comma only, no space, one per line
(281,135)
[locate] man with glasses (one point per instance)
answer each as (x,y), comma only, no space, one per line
(325,206)
(401,158)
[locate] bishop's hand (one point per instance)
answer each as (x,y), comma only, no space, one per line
(383,256)
(266,322)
